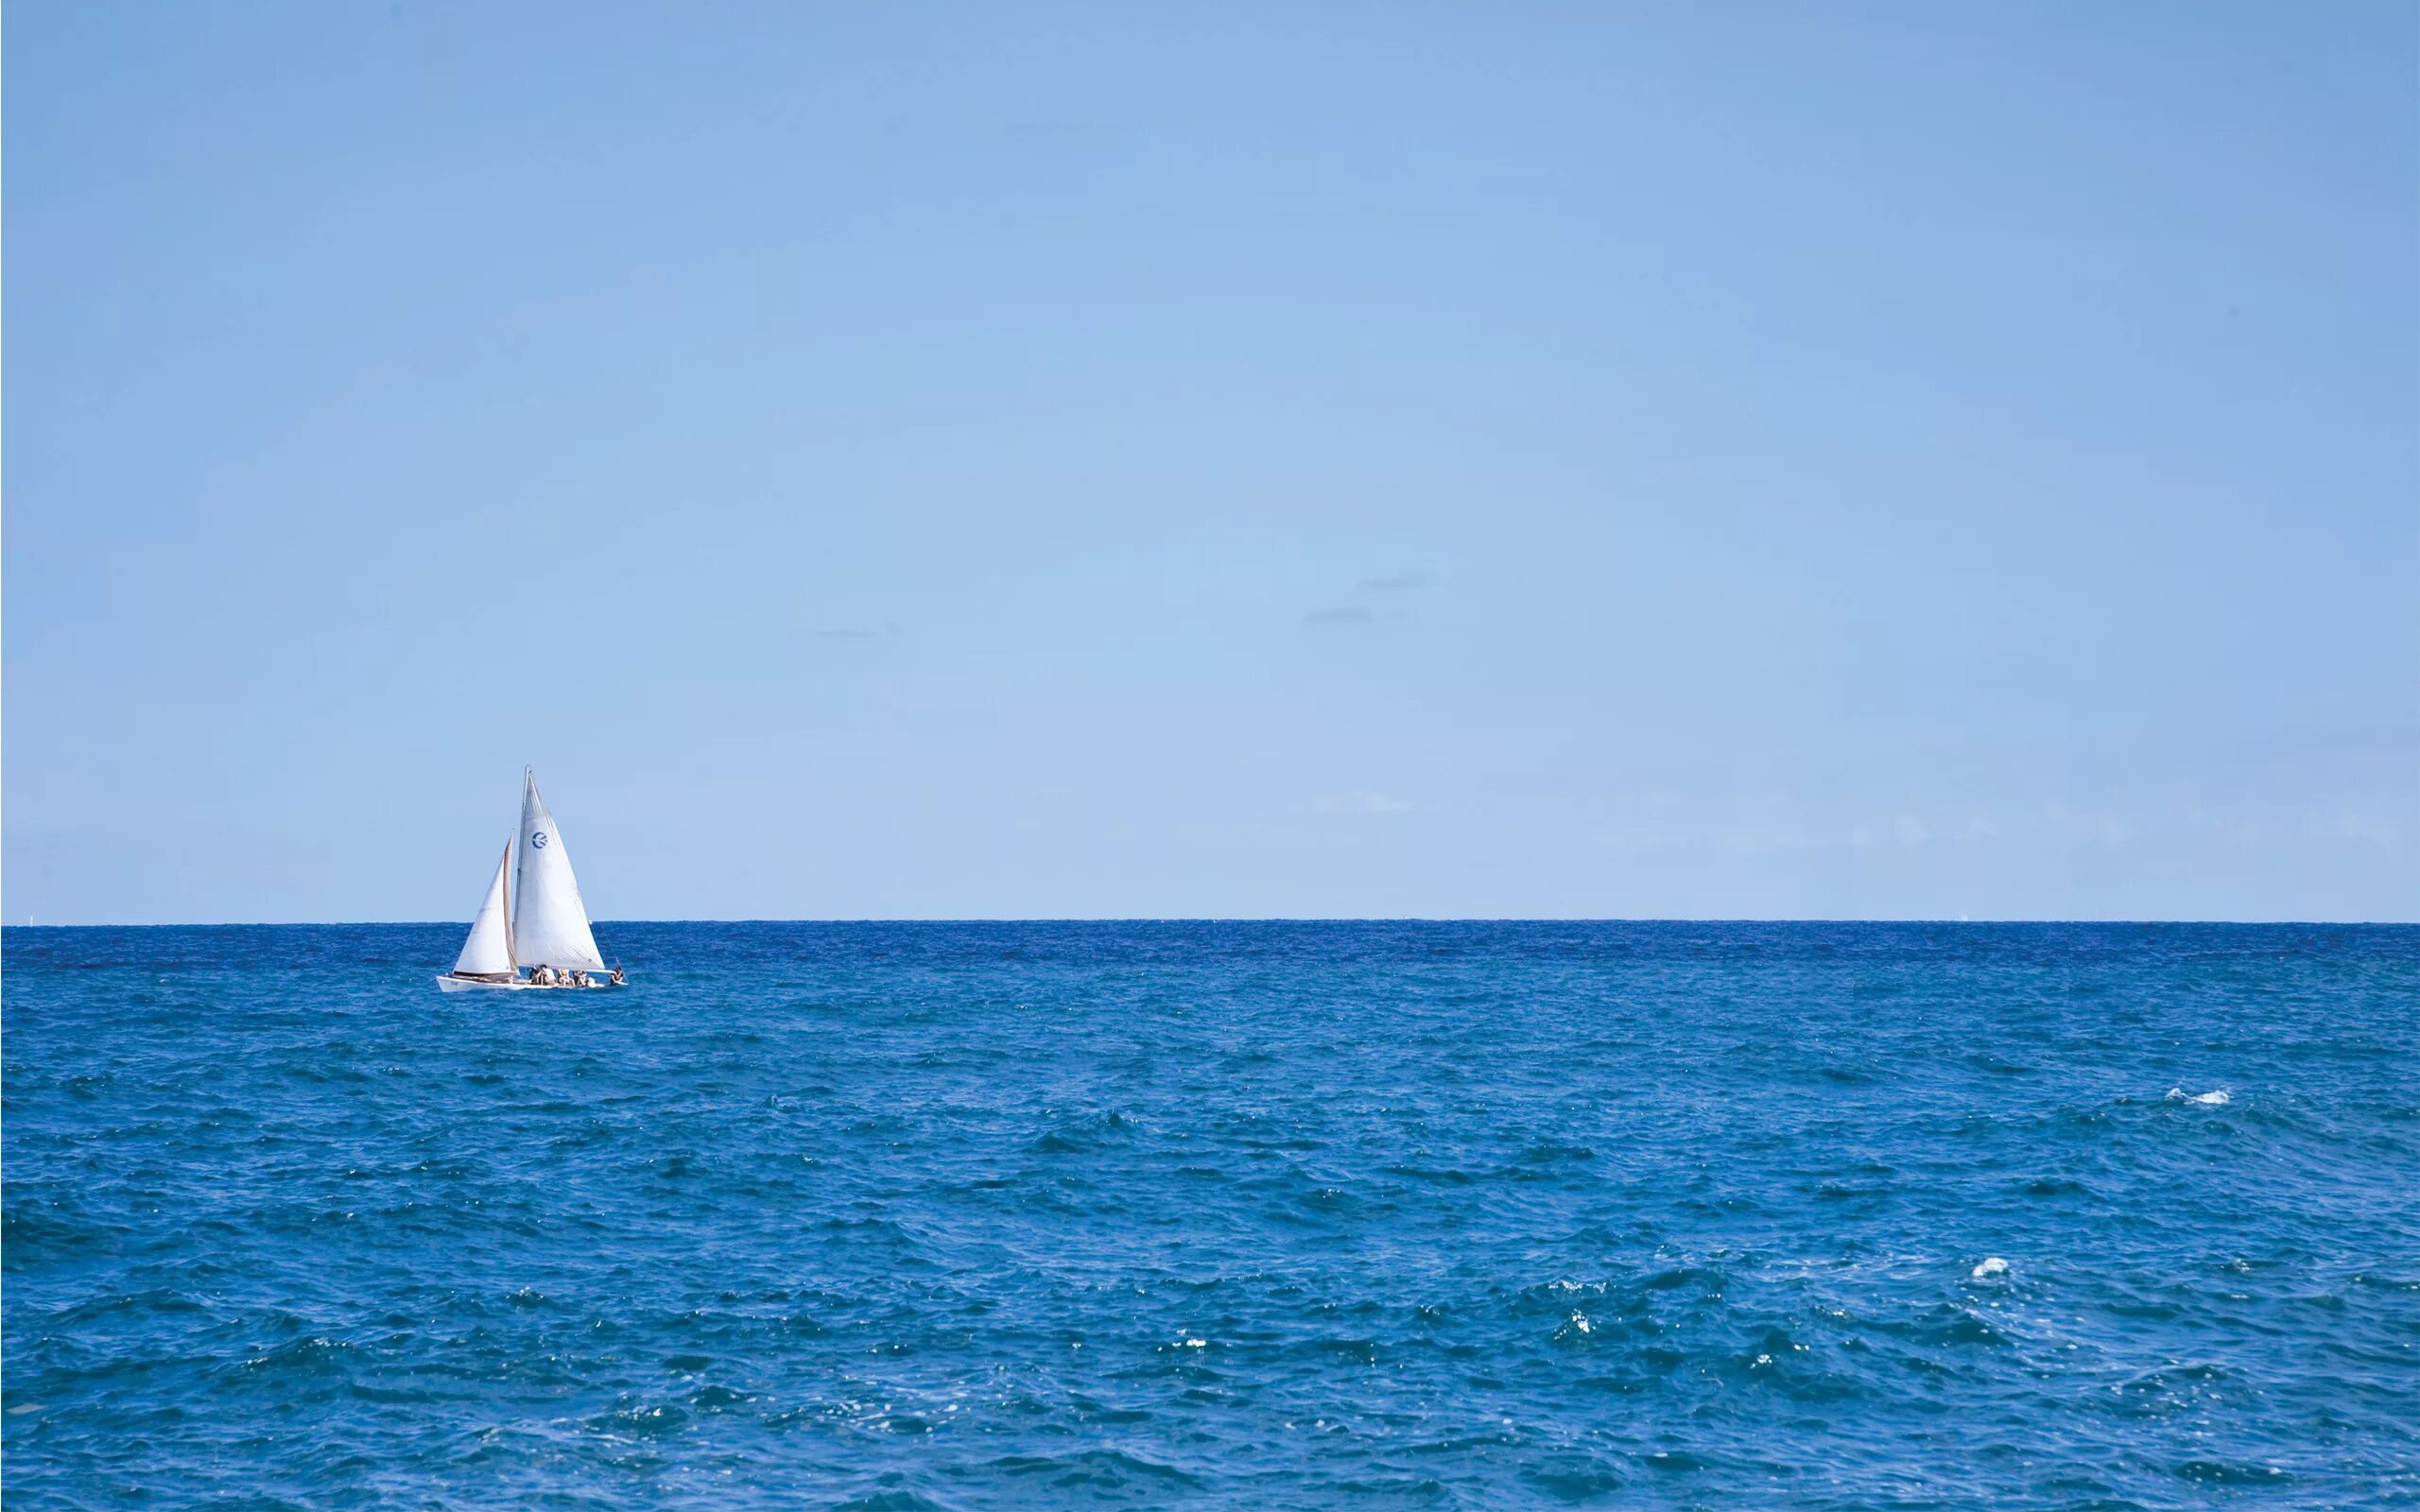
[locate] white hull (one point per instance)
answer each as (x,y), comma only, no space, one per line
(519,984)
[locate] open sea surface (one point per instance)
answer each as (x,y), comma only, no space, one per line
(1250,1215)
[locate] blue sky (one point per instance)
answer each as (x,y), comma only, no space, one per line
(1643,460)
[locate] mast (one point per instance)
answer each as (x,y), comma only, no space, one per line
(512,895)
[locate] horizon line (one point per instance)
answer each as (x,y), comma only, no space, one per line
(1270,919)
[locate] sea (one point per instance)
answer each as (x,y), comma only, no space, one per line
(1216,1216)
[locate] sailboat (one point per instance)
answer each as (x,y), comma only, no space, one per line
(532,917)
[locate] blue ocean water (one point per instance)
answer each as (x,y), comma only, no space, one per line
(1218,1216)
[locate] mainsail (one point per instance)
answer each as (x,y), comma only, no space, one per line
(489,951)
(549,922)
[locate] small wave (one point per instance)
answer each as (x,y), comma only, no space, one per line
(312,1354)
(2219,1472)
(1437,1176)
(1108,1470)
(1944,1325)
(891,1501)
(2217,1098)
(1666,1281)
(1577,1483)
(1399,1487)
(1549,1153)
(1349,1350)
(640,1422)
(1093,1410)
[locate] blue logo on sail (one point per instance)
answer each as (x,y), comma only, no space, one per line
(538,839)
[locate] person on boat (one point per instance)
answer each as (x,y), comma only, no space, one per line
(543,977)
(580,978)
(616,978)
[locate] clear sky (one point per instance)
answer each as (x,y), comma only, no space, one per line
(1744,460)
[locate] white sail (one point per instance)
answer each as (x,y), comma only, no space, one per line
(549,922)
(489,951)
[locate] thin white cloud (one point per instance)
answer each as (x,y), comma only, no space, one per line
(853,632)
(2370,830)
(1363,802)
